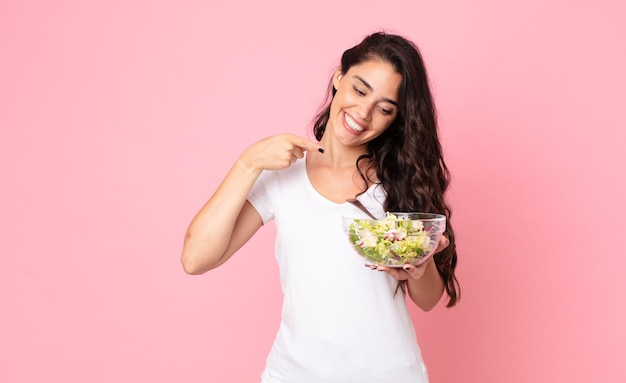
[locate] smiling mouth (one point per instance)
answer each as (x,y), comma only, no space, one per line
(351,123)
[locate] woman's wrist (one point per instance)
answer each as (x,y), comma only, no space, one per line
(245,163)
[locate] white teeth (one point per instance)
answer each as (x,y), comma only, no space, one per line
(352,124)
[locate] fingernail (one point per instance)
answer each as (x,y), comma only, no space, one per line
(321,150)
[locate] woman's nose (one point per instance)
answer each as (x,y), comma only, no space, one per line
(365,110)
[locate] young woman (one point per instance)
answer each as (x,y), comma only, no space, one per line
(378,142)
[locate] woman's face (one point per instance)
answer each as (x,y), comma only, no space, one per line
(365,104)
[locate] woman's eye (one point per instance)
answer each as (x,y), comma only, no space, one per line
(386,111)
(359,91)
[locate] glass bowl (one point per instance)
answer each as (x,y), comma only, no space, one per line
(396,240)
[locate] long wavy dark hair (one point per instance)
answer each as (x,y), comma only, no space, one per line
(407,157)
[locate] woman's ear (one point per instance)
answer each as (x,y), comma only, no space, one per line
(337,78)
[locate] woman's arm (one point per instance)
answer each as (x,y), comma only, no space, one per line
(227,221)
(426,290)
(224,224)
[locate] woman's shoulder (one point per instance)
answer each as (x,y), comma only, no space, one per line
(281,177)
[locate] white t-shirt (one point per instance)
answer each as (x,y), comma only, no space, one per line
(340,321)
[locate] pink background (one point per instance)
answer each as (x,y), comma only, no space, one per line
(119,118)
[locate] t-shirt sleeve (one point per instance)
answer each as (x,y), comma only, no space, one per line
(259,196)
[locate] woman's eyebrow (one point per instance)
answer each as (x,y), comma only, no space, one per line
(368,86)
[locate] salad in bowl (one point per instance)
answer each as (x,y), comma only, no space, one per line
(397,239)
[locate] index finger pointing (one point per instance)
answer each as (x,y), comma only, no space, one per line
(305,144)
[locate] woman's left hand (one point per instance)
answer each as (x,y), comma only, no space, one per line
(410,271)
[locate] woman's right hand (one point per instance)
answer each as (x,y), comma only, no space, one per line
(276,152)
